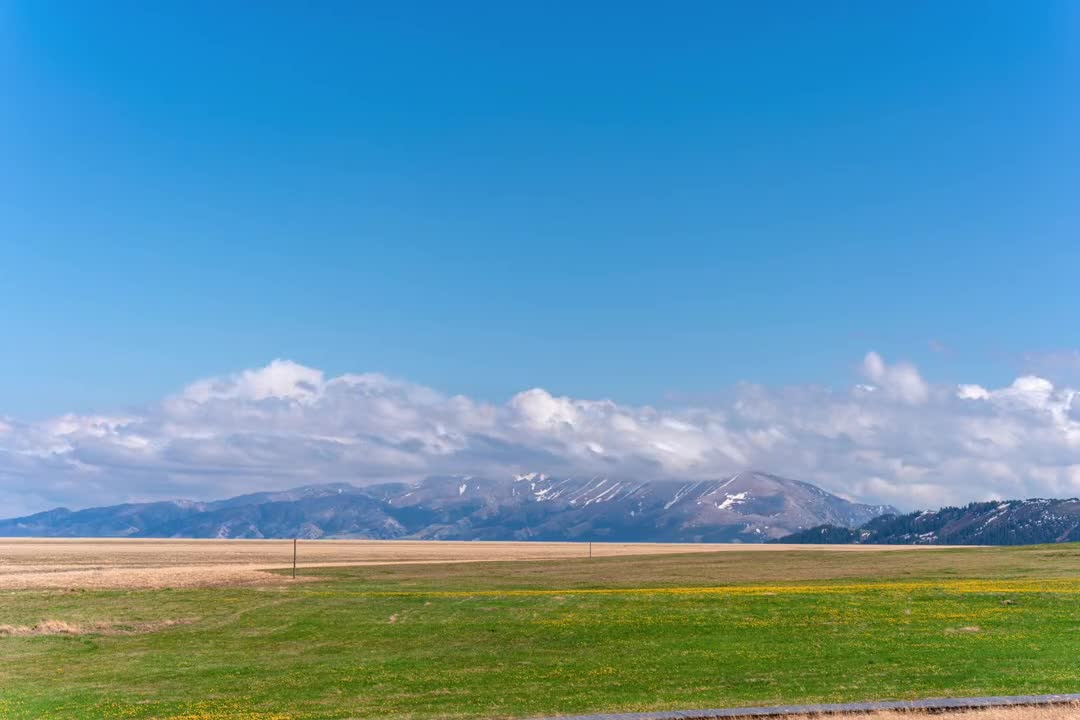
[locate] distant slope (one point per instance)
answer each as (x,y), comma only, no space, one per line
(747,507)
(1015,522)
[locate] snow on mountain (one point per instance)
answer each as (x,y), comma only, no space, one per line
(746,507)
(1012,522)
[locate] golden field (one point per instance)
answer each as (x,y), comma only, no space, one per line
(32,563)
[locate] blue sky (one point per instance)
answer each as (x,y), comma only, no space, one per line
(622,200)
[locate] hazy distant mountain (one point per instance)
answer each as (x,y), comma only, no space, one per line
(1015,522)
(747,507)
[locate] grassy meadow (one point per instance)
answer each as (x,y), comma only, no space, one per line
(505,639)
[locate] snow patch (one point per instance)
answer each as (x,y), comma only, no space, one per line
(679,495)
(731,500)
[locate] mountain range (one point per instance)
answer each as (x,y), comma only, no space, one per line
(746,507)
(1012,522)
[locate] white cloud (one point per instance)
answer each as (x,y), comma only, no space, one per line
(972,392)
(281,379)
(895,438)
(900,381)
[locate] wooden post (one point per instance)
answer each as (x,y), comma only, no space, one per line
(590,549)
(294,558)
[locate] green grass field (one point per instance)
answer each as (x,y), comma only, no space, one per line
(569,636)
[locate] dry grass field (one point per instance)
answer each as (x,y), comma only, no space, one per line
(27,564)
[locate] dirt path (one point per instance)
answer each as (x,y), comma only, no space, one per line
(1062,712)
(1010,707)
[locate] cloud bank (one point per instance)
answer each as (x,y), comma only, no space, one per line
(892,437)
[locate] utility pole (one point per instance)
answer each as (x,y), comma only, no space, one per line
(294,558)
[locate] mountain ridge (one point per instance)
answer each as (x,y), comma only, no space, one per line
(748,506)
(1005,522)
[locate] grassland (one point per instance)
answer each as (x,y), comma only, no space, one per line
(515,639)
